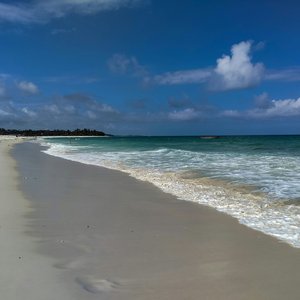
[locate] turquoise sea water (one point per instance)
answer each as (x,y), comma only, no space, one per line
(256,179)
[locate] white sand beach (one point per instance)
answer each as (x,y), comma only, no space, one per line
(24,274)
(73,231)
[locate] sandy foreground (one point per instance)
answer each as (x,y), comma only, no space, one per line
(73,231)
(24,273)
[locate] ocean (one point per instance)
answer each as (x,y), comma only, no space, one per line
(255,179)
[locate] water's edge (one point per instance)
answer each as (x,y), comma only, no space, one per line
(255,210)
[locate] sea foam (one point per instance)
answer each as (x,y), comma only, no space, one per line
(226,182)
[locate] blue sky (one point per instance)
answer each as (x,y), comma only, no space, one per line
(151,67)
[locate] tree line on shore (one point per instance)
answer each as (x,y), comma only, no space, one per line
(55,132)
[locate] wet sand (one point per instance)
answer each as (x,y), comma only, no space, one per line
(108,236)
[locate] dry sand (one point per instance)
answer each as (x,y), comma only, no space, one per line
(100,234)
(24,274)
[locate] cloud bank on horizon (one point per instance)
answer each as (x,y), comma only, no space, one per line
(235,71)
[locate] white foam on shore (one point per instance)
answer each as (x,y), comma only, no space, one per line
(256,210)
(275,175)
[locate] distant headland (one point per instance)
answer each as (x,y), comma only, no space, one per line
(56,132)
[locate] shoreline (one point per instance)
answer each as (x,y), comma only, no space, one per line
(246,200)
(109,234)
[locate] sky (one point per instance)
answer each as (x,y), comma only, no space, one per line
(151,67)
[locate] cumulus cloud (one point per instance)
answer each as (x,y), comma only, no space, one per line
(28,87)
(81,107)
(41,11)
(187,114)
(266,109)
(279,108)
(237,71)
(65,111)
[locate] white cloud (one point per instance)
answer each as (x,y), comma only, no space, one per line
(292,74)
(184,115)
(230,113)
(28,87)
(4,113)
(183,77)
(279,108)
(122,64)
(52,108)
(42,11)
(268,109)
(69,111)
(237,71)
(231,72)
(80,106)
(60,8)
(106,108)
(16,13)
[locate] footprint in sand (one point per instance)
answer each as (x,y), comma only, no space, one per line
(93,285)
(74,264)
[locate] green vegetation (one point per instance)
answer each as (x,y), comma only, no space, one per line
(56,132)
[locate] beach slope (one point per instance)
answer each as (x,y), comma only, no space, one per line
(109,236)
